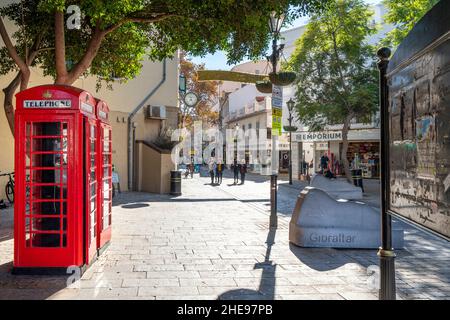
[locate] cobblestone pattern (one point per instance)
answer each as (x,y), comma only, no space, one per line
(213,243)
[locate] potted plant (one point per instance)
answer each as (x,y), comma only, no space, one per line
(264,86)
(283,78)
(290,128)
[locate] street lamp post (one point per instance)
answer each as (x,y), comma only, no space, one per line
(290,105)
(386,252)
(275,23)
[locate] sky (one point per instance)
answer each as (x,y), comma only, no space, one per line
(218,61)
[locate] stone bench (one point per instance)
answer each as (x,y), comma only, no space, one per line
(336,188)
(319,220)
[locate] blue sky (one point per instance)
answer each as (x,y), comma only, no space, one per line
(218,61)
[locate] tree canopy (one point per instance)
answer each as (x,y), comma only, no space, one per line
(337,77)
(116,35)
(129,30)
(404,15)
(207,92)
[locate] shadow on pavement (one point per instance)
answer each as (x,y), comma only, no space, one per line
(248,177)
(266,290)
(28,287)
(135,205)
(326,259)
(6,224)
(132,198)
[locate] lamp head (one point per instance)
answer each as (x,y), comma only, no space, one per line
(290,104)
(384,53)
(275,22)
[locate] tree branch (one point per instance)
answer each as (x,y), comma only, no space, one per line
(19,80)
(96,40)
(88,57)
(60,48)
(12,50)
(154,19)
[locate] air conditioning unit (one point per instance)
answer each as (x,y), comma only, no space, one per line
(155,112)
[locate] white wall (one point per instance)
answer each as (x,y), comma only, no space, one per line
(289,39)
(244,96)
(379,12)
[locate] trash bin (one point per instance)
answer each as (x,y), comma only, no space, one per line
(175,183)
(357,178)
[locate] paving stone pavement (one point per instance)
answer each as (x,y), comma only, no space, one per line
(213,242)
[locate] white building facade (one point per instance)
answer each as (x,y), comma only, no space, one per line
(308,147)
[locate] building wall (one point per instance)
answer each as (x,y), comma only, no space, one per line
(256,67)
(262,117)
(289,39)
(154,181)
(244,97)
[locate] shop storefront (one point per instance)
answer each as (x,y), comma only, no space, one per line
(365,156)
(363,150)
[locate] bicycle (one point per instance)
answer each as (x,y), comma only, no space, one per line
(9,188)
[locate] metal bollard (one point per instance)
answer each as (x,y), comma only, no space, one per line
(175,183)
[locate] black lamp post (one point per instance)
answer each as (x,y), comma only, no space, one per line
(290,105)
(275,23)
(386,252)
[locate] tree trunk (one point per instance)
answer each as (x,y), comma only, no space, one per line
(8,100)
(345,130)
(86,60)
(22,80)
(60,49)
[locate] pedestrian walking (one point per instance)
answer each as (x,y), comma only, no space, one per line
(219,172)
(235,168)
(212,168)
(243,170)
(191,170)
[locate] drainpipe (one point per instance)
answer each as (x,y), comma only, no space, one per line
(130,127)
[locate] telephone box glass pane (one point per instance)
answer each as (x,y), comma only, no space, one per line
(47,144)
(46,129)
(49,240)
(92,178)
(46,224)
(46,184)
(106,178)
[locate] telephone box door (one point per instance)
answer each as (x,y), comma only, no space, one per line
(44,160)
(106,185)
(91,172)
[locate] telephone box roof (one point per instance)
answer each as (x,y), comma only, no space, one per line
(102,110)
(58,97)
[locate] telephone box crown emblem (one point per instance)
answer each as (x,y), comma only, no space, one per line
(47,94)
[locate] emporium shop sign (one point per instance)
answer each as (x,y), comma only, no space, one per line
(317,136)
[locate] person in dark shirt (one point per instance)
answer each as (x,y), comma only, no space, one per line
(324,162)
(236,170)
(328,174)
(243,170)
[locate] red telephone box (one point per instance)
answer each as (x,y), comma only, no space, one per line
(56,163)
(104,165)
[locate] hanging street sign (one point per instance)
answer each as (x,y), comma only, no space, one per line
(276,121)
(277,110)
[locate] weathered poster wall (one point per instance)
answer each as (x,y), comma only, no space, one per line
(419,106)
